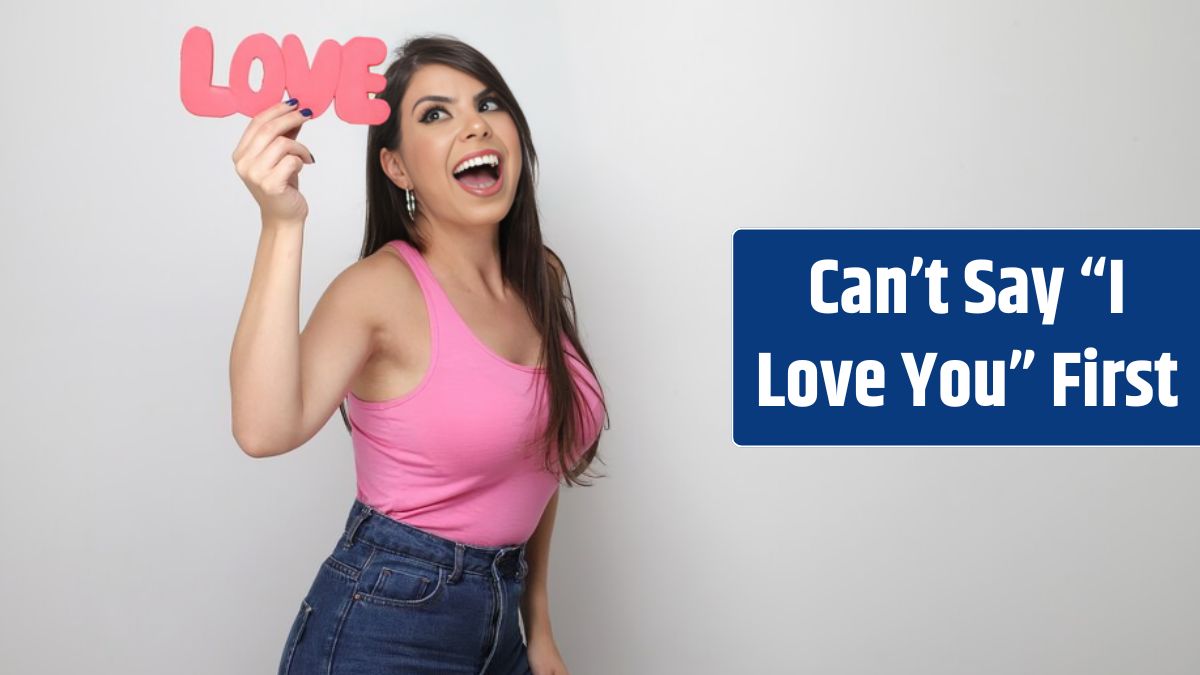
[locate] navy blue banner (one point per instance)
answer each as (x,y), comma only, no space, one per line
(965,337)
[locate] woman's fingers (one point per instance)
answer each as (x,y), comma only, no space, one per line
(276,151)
(272,129)
(268,159)
(255,168)
(271,113)
(283,175)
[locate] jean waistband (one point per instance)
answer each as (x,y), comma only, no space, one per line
(367,524)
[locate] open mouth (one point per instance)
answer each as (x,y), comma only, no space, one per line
(480,173)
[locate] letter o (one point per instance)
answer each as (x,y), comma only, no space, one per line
(262,47)
(808,396)
(953,371)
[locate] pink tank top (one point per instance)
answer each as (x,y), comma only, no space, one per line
(454,456)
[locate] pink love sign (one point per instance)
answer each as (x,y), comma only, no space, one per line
(339,74)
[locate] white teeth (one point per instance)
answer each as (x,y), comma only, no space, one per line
(491,160)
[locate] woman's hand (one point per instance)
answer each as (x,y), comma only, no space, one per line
(268,159)
(544,658)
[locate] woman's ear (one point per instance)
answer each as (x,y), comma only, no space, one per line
(393,168)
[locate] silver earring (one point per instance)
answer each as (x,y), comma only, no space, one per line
(411,202)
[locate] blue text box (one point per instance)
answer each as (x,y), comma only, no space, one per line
(1153,337)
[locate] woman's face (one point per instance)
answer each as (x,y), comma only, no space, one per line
(446,115)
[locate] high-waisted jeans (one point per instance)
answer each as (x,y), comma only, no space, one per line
(392,598)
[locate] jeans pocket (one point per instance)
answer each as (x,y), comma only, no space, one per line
(294,635)
(341,568)
(401,581)
(348,559)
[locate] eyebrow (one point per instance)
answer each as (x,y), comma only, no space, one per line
(447,99)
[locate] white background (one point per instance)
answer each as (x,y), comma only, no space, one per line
(137,538)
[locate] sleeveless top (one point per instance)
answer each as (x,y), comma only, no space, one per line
(456,456)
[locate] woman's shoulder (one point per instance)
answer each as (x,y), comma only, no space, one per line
(388,280)
(380,286)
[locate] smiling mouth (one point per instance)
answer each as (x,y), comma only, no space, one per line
(480,177)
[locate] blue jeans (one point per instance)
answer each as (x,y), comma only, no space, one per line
(392,598)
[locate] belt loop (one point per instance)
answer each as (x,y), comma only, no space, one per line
(354,525)
(456,573)
(524,565)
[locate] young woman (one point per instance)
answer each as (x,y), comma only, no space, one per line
(457,366)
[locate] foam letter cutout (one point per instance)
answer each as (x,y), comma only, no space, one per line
(199,95)
(314,86)
(258,46)
(339,75)
(352,103)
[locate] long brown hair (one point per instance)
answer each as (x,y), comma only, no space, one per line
(524,259)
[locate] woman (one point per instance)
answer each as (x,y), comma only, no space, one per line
(457,366)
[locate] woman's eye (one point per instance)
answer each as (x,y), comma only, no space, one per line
(427,117)
(436,108)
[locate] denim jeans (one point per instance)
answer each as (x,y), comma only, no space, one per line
(392,598)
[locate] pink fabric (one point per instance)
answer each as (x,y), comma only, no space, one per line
(449,457)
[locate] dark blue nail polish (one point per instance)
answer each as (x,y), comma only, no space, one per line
(306,112)
(292,101)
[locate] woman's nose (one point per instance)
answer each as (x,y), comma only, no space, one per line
(477,126)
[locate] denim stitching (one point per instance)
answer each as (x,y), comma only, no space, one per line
(393,602)
(426,561)
(408,573)
(337,631)
(305,610)
(457,572)
(498,595)
(389,571)
(338,567)
(352,531)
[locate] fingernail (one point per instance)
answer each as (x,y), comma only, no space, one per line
(292,101)
(314,157)
(306,112)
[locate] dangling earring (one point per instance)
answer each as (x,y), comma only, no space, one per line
(411,202)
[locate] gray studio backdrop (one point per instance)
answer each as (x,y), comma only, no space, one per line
(138,539)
